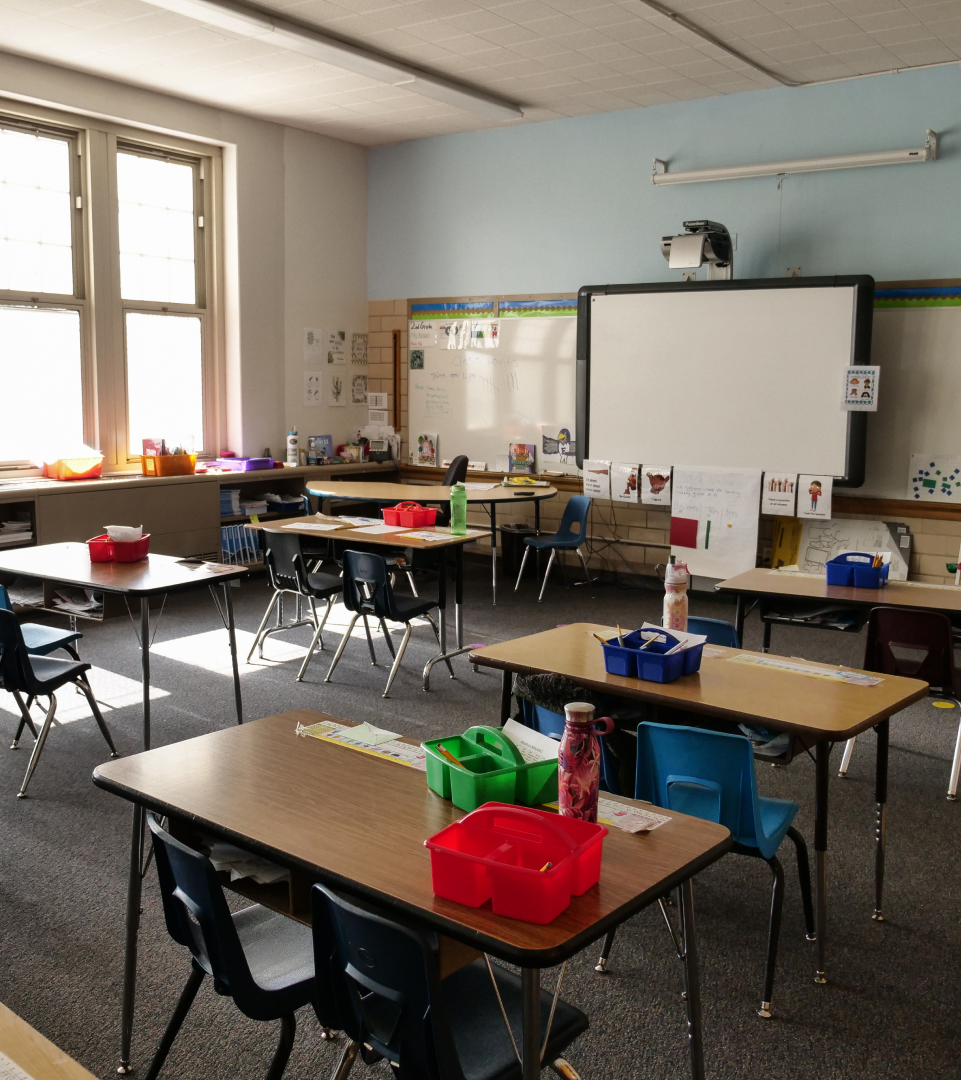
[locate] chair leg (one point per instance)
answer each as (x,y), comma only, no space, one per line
(347,1059)
(433,626)
(388,638)
(38,746)
(288,1029)
(341,647)
(547,574)
(587,573)
(955,770)
(370,641)
(97,715)
(846,757)
(395,667)
(804,879)
(413,587)
(259,636)
(73,652)
(175,1023)
(601,966)
(310,651)
(520,573)
(774,933)
(25,721)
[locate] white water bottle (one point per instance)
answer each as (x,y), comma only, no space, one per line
(676,580)
(292,455)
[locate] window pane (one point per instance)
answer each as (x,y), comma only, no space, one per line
(35,238)
(156,229)
(164,380)
(40,376)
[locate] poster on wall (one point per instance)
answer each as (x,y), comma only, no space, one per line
(779,494)
(336,347)
(337,389)
(358,390)
(814,496)
(425,450)
(624,482)
(861,388)
(656,485)
(558,451)
(313,388)
(421,335)
(313,346)
(597,479)
(358,348)
(714,519)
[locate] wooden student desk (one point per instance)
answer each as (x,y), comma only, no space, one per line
(437,493)
(345,537)
(358,823)
(793,598)
(152,577)
(819,712)
(37,1056)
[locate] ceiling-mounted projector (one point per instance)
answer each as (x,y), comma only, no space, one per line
(702,242)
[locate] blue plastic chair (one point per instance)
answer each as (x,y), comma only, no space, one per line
(718,631)
(551,724)
(42,640)
(565,539)
(710,775)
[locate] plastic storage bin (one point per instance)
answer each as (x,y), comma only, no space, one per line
(854,568)
(650,663)
(244,464)
(76,468)
(103,549)
(410,515)
(168,464)
(498,853)
(494,771)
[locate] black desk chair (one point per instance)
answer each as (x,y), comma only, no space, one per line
(261,959)
(287,573)
(368,592)
(39,676)
(388,993)
(42,640)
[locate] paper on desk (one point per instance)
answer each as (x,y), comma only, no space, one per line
(10,1070)
(425,536)
(630,818)
(395,750)
(532,745)
(362,521)
(855,678)
(651,632)
(480,487)
(378,530)
(371,736)
(316,526)
(709,653)
(244,864)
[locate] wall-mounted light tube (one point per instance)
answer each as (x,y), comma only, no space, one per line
(928,152)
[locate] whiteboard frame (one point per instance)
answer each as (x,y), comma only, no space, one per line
(863,286)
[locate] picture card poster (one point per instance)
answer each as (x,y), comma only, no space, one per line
(425,450)
(861,388)
(358,390)
(313,346)
(935,478)
(336,347)
(779,494)
(521,457)
(597,479)
(624,482)
(814,496)
(656,485)
(358,348)
(558,448)
(714,519)
(484,334)
(337,389)
(313,388)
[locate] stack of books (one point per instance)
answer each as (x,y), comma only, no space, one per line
(230,502)
(15,532)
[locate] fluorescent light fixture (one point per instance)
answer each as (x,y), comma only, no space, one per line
(928,152)
(286,35)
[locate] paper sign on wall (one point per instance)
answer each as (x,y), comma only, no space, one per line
(597,479)
(484,334)
(656,485)
(358,390)
(313,346)
(814,496)
(422,335)
(337,389)
(779,494)
(935,478)
(336,348)
(624,483)
(377,401)
(454,334)
(861,388)
(313,388)
(714,520)
(358,348)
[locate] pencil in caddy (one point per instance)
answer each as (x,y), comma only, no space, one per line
(860,569)
(528,863)
(651,654)
(487,767)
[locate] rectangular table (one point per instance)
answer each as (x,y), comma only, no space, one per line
(448,542)
(37,1056)
(801,594)
(154,576)
(818,711)
(358,823)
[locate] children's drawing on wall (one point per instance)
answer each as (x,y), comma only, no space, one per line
(426,450)
(779,494)
(557,448)
(814,496)
(656,485)
(521,457)
(358,390)
(337,390)
(417,359)
(624,482)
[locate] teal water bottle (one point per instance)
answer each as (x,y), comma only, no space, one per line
(458,510)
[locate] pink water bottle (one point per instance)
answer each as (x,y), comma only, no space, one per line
(676,580)
(579,761)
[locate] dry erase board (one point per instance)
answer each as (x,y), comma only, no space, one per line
(739,374)
(478,399)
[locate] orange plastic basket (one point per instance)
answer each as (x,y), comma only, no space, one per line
(168,464)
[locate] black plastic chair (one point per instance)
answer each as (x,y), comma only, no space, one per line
(261,959)
(456,474)
(42,640)
(39,676)
(925,642)
(367,591)
(387,991)
(287,573)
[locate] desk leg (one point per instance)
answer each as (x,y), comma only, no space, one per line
(739,620)
(145,666)
(531,1023)
(881,825)
(494,551)
(537,532)
(232,635)
(822,754)
(766,639)
(446,654)
(134,887)
(692,981)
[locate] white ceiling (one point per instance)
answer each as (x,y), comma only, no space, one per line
(556,58)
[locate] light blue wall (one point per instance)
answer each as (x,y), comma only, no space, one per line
(553,206)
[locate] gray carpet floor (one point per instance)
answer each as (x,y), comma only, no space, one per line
(891,1009)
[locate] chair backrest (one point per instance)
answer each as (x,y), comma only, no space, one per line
(15,670)
(385,978)
(707,774)
(718,631)
(5,599)
(367,585)
(552,725)
(924,640)
(197,917)
(576,511)
(456,471)
(285,561)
